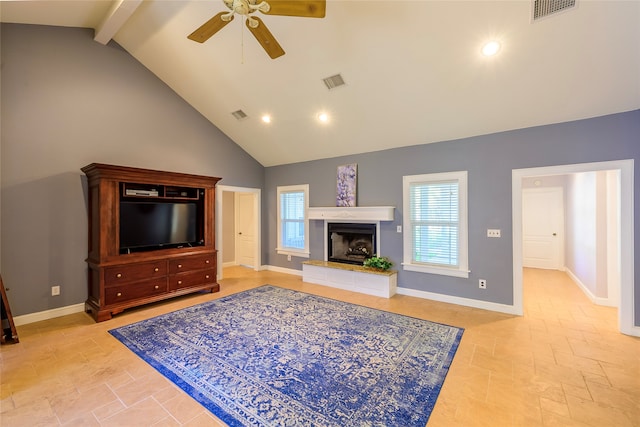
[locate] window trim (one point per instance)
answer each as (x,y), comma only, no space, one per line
(462,270)
(283,250)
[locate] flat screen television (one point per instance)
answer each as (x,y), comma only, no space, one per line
(148,225)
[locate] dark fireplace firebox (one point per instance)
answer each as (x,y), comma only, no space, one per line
(350,243)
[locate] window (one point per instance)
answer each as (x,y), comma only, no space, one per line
(435,220)
(293,203)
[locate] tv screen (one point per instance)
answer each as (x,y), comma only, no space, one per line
(151,225)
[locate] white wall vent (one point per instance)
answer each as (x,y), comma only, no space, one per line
(542,8)
(333,81)
(239,114)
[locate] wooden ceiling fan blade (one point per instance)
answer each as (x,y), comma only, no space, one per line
(265,38)
(209,28)
(303,8)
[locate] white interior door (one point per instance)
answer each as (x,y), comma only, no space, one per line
(245,229)
(543,228)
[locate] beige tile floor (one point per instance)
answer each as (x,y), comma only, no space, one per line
(562,364)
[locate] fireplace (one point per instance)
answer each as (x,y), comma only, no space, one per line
(350,243)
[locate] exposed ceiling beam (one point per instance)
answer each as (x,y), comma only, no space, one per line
(118,14)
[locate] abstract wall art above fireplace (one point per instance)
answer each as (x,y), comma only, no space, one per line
(347,185)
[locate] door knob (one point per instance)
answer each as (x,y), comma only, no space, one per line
(554,234)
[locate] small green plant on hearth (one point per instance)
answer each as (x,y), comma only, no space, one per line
(378,262)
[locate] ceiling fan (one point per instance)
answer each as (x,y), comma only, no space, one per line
(302,8)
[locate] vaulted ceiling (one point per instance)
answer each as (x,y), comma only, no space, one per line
(413,70)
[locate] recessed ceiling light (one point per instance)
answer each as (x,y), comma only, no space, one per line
(323,117)
(266,118)
(490,48)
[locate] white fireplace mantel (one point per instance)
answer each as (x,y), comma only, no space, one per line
(358,213)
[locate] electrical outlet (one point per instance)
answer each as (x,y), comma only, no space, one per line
(482,284)
(55,290)
(399,229)
(288,257)
(493,232)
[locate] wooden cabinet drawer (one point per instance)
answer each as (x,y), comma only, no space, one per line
(196,278)
(195,262)
(118,294)
(134,272)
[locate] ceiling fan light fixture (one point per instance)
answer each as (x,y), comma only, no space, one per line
(491,48)
(301,8)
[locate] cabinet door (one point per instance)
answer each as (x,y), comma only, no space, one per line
(191,279)
(190,263)
(119,294)
(134,272)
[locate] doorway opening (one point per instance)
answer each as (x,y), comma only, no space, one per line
(238,227)
(624,254)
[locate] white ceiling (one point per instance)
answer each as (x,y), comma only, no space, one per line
(413,69)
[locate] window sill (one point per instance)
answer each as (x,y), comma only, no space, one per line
(301,254)
(435,270)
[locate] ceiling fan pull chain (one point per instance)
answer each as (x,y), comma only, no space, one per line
(242,44)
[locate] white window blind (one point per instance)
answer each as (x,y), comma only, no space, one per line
(293,223)
(434,223)
(435,217)
(292,210)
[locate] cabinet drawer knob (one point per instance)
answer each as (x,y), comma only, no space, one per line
(156,269)
(119,275)
(179,282)
(119,294)
(206,262)
(156,287)
(179,265)
(206,277)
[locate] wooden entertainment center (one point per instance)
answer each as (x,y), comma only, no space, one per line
(121,278)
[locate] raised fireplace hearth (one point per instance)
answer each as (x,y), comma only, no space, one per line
(350,277)
(350,243)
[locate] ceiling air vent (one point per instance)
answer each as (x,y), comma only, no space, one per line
(239,114)
(542,8)
(333,81)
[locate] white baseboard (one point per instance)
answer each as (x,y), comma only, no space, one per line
(229,264)
(283,270)
(634,331)
(594,299)
(25,319)
(467,302)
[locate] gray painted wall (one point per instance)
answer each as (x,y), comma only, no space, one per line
(68,101)
(586,230)
(581,232)
(489,160)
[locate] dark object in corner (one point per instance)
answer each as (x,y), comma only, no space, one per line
(9,332)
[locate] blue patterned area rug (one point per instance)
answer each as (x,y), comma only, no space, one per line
(275,357)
